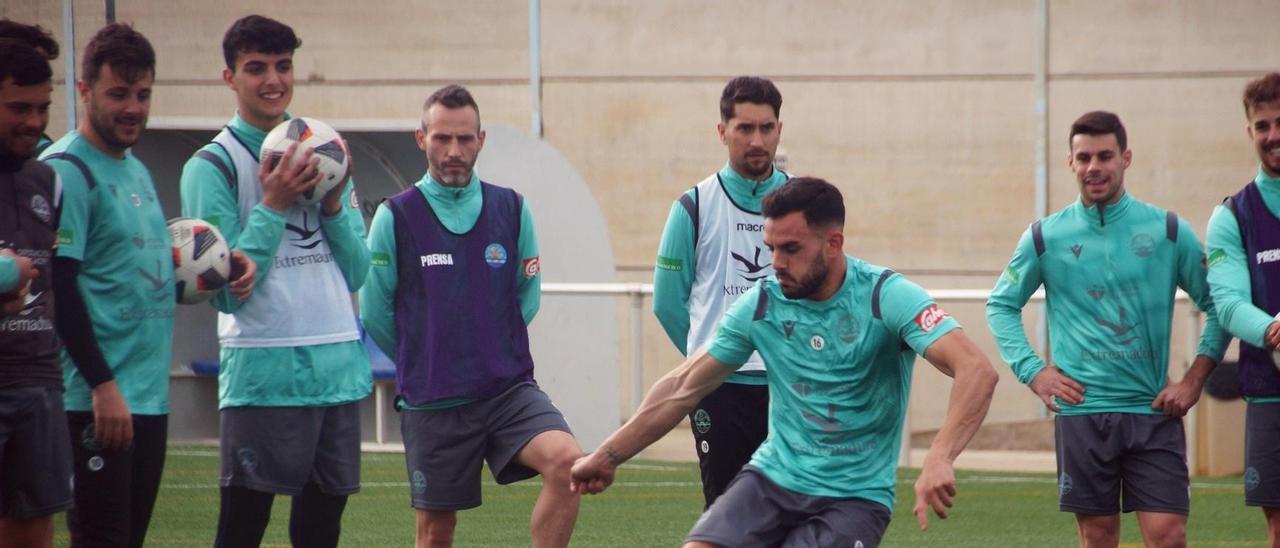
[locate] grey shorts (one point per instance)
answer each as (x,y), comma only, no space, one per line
(443,448)
(281,449)
(1106,457)
(1262,455)
(755,511)
(35,452)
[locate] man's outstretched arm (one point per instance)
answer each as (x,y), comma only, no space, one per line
(975,380)
(671,399)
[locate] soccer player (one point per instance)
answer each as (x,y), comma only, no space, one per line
(1110,265)
(1244,247)
(712,252)
(293,369)
(113,246)
(840,337)
(455,280)
(35,450)
(43,42)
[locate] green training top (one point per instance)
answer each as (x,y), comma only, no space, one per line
(8,274)
(1229,272)
(117,231)
(321,374)
(1110,278)
(677,263)
(458,209)
(838,378)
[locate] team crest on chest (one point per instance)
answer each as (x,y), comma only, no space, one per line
(495,255)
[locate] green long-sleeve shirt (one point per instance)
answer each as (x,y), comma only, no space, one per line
(458,209)
(1229,276)
(323,374)
(677,262)
(1110,279)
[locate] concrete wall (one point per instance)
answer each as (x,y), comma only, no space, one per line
(921,111)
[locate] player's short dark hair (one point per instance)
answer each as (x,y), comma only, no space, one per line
(821,202)
(1099,122)
(255,33)
(1262,90)
(451,96)
(126,50)
(33,35)
(749,89)
(23,63)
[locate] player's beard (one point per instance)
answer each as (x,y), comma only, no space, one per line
(104,124)
(810,284)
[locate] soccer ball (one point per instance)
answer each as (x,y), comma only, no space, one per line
(314,134)
(201,259)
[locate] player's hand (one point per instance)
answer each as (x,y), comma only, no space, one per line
(1179,397)
(112,423)
(288,179)
(243,275)
(935,488)
(1272,337)
(1051,383)
(591,474)
(15,301)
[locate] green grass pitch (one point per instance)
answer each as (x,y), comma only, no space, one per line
(654,504)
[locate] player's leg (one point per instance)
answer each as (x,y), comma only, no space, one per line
(315,519)
(1088,457)
(103,492)
(444,453)
(34,532)
(728,425)
(243,514)
(552,454)
(1098,531)
(1273,525)
(754,511)
(1163,530)
(316,516)
(1156,481)
(150,436)
(528,436)
(35,464)
(848,522)
(1262,463)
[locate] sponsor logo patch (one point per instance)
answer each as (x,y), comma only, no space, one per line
(1013,275)
(66,236)
(380,259)
(532,266)
(930,317)
(668,263)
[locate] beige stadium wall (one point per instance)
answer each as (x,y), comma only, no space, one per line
(920,111)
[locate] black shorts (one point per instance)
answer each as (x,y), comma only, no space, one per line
(444,448)
(728,425)
(1262,455)
(35,452)
(280,449)
(755,511)
(1104,457)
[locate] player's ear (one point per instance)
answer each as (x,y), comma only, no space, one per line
(420,137)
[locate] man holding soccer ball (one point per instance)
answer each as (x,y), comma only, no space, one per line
(1244,270)
(293,367)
